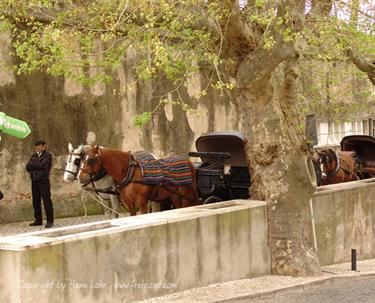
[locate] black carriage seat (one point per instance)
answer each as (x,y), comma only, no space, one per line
(208,168)
(369,166)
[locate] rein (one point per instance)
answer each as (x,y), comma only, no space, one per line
(107,190)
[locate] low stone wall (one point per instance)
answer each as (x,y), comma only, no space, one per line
(73,205)
(344,218)
(133,258)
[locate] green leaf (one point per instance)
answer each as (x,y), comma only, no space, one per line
(142,119)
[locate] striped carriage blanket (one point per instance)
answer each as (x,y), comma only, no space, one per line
(174,170)
(143,156)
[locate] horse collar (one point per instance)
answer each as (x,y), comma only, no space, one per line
(332,174)
(129,175)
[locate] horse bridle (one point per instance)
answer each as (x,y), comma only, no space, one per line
(338,167)
(334,173)
(91,162)
(77,162)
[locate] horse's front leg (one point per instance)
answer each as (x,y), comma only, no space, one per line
(132,209)
(128,204)
(143,206)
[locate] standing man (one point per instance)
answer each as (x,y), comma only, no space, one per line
(39,167)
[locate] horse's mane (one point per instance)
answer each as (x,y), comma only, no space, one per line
(115,162)
(86,147)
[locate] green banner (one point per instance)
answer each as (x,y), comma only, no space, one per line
(14,127)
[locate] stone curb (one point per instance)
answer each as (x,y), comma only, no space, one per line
(301,287)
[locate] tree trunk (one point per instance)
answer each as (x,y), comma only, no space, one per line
(281,171)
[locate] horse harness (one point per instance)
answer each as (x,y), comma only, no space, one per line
(102,173)
(338,167)
(77,162)
(127,179)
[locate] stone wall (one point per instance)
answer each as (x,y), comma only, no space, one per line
(61,111)
(187,248)
(134,258)
(344,218)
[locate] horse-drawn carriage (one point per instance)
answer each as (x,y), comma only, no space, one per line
(355,160)
(222,173)
(364,148)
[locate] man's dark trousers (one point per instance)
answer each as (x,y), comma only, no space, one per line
(41,190)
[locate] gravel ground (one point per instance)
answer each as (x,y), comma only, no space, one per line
(7,229)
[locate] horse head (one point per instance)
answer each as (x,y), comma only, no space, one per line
(329,161)
(91,166)
(73,162)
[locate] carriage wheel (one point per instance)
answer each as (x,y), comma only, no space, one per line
(212,199)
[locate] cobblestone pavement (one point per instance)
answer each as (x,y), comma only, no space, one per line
(361,290)
(7,229)
(287,289)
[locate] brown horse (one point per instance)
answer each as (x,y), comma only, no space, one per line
(337,167)
(134,186)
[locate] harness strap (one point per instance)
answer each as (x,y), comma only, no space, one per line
(338,167)
(71,172)
(108,190)
(347,171)
(334,173)
(100,174)
(129,175)
(166,188)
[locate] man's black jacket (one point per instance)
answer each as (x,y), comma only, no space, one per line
(39,167)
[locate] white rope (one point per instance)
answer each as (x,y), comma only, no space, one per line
(84,204)
(95,197)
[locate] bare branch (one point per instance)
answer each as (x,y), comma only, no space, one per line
(363,64)
(258,66)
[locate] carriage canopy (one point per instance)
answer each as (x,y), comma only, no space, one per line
(232,143)
(364,147)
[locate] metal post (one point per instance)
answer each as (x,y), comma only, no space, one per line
(354,259)
(313,225)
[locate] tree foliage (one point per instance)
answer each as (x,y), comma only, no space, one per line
(177,38)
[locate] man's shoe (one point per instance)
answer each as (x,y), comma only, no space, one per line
(48,225)
(35,223)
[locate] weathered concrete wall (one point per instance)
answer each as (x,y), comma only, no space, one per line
(137,257)
(344,216)
(66,205)
(61,111)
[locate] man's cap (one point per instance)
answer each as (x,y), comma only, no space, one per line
(40,142)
